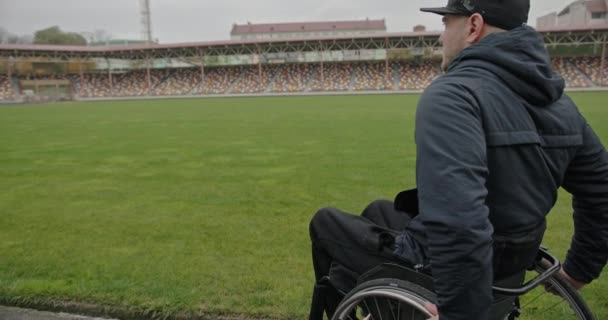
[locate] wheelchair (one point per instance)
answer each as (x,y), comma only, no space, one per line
(395,292)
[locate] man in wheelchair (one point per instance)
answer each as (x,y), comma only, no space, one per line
(496,138)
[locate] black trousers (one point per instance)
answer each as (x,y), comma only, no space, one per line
(344,246)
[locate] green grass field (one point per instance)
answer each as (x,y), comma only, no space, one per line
(201,206)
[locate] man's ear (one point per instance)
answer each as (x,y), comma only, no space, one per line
(475,28)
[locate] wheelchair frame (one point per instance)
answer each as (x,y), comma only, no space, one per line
(410,290)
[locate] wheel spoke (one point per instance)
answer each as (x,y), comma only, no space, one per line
(398,310)
(349,317)
(378,308)
(528,302)
(369,311)
(551,307)
(390,306)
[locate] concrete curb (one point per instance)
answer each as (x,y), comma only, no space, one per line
(12,313)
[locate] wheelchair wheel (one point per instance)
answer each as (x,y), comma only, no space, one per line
(385,299)
(557,300)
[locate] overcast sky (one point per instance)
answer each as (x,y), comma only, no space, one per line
(206,20)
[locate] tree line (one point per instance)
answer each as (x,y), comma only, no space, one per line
(52,35)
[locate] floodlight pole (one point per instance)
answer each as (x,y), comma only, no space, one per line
(146,23)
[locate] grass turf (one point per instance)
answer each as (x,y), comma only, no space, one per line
(201,205)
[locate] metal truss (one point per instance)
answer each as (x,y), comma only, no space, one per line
(575,38)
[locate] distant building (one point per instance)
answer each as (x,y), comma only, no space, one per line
(419,28)
(577,14)
(299,30)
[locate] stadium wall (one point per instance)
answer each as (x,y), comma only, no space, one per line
(299,94)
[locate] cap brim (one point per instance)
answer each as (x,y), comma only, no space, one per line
(441,11)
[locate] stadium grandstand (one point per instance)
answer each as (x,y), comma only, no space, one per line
(349,63)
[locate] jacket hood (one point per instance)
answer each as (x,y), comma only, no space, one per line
(520,59)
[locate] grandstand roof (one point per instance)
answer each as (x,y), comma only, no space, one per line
(582,28)
(228,47)
(554,36)
(252,28)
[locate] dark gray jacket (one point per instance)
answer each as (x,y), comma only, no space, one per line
(496,138)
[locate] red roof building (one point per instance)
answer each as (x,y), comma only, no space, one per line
(302,30)
(578,13)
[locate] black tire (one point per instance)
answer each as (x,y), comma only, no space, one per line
(392,299)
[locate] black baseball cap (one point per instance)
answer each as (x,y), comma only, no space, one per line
(504,14)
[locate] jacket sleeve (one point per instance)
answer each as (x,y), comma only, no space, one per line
(587,180)
(451,172)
